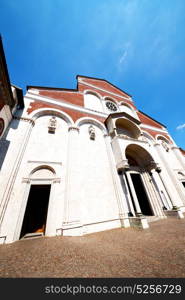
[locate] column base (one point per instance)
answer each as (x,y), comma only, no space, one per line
(140,222)
(73,228)
(182,208)
(2,240)
(125,223)
(174,213)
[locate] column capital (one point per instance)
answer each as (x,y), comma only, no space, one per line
(73,128)
(122,165)
(175,148)
(24,119)
(154,166)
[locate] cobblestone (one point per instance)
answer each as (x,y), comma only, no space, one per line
(155,252)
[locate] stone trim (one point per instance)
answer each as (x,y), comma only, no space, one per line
(24,119)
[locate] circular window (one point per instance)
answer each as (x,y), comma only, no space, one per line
(111,106)
(1,126)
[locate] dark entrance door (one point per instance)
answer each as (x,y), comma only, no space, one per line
(36,210)
(141,195)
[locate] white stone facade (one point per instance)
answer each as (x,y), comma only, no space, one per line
(93,168)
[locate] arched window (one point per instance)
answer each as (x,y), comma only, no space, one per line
(127,109)
(92,101)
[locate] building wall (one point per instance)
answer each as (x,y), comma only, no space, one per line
(89,188)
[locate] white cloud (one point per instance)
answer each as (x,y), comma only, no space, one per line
(125,52)
(123,57)
(180,126)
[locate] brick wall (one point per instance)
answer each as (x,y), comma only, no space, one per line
(75,115)
(70,97)
(146,120)
(105,85)
(155,133)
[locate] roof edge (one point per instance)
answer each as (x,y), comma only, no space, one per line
(152,118)
(49,88)
(88,77)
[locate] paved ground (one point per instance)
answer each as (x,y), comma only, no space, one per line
(155,252)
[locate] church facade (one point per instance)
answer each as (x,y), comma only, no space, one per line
(85,160)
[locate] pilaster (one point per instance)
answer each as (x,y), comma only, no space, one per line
(15,168)
(173,189)
(179,156)
(71,219)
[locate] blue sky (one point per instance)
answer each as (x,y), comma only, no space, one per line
(138,45)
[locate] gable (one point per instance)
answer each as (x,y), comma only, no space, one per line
(103,84)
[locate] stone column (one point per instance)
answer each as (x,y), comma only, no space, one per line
(127,194)
(139,220)
(136,202)
(156,181)
(152,193)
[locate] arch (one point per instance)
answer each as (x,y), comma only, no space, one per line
(140,162)
(107,98)
(35,172)
(163,138)
(124,107)
(86,120)
(148,136)
(181,173)
(40,182)
(92,92)
(128,128)
(139,155)
(51,112)
(92,101)
(126,104)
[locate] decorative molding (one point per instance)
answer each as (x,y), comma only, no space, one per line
(31,179)
(145,126)
(123,136)
(73,128)
(175,148)
(44,162)
(24,119)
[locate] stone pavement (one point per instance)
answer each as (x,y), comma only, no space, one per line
(155,252)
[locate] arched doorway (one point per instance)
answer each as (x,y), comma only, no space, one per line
(140,162)
(35,216)
(36,210)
